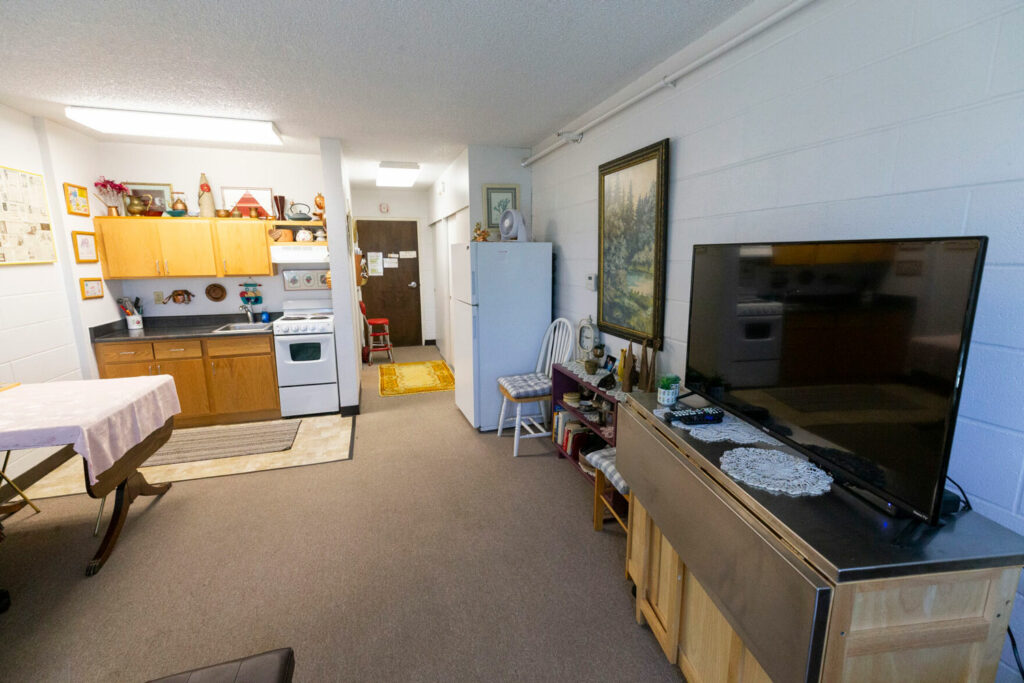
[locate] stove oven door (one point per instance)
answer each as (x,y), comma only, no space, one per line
(305,359)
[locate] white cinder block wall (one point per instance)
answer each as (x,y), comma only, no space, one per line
(37,342)
(850,119)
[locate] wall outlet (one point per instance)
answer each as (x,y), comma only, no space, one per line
(158,297)
(592,282)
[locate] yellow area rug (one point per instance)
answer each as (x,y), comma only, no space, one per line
(399,379)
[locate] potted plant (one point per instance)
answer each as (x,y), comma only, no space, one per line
(668,389)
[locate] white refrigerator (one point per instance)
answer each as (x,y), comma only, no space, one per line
(501,307)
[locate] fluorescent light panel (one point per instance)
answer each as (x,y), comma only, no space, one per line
(397,174)
(176,126)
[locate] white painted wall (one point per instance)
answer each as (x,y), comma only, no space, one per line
(296,176)
(850,119)
(37,342)
(450,192)
(490,165)
(69,156)
(348,326)
(405,205)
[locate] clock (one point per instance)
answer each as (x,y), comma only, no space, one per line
(586,336)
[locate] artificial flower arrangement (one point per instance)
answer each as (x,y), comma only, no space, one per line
(110,192)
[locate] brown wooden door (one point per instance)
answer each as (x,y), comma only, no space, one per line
(395,295)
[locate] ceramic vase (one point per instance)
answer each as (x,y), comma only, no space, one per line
(206,206)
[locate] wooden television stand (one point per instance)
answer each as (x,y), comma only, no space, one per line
(738,584)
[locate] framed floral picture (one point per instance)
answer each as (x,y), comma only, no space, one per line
(92,287)
(632,214)
(76,198)
(85,247)
(497,200)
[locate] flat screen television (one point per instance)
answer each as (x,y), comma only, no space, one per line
(851,352)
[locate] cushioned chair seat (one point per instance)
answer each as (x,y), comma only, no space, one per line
(604,460)
(527,385)
(275,666)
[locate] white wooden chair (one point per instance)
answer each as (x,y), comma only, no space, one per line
(534,387)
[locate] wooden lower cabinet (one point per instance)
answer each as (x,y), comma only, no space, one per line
(230,379)
(239,384)
(682,617)
(933,627)
(190,381)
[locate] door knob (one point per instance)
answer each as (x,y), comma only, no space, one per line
(413,284)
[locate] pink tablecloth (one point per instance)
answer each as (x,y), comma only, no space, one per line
(101,418)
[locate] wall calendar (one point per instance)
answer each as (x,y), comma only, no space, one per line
(26,235)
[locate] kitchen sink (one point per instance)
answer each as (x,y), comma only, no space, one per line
(243,327)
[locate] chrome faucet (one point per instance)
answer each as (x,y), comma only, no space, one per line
(247,309)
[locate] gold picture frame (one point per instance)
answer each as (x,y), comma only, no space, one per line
(92,287)
(162,194)
(85,246)
(497,200)
(632,220)
(76,199)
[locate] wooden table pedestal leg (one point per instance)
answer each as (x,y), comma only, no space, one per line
(127,491)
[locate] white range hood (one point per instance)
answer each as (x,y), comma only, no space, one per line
(298,253)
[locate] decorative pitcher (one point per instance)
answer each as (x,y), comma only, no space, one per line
(136,207)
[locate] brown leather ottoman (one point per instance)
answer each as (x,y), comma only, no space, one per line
(275,666)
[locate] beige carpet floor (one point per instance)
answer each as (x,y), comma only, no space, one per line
(432,555)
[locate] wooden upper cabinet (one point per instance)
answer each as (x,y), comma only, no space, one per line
(243,247)
(130,248)
(155,247)
(187,247)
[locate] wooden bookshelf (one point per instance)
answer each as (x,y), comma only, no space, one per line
(563,381)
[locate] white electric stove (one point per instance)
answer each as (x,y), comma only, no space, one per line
(307,369)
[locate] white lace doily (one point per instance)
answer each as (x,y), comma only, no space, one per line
(775,471)
(731,428)
(576,368)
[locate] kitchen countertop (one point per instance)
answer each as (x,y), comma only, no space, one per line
(173,327)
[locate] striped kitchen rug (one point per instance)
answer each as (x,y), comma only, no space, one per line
(225,441)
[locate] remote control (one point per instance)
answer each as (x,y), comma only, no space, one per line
(694,416)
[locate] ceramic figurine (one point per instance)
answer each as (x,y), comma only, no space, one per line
(479,234)
(319,202)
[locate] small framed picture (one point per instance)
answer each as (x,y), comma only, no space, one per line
(76,198)
(161,196)
(92,287)
(609,362)
(85,247)
(246,198)
(497,200)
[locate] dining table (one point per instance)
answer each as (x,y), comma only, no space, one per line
(114,425)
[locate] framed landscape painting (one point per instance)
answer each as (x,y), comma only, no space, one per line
(631,216)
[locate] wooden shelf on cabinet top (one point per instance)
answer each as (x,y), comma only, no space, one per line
(268,221)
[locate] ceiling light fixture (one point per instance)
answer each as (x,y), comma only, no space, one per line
(397,174)
(177,126)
